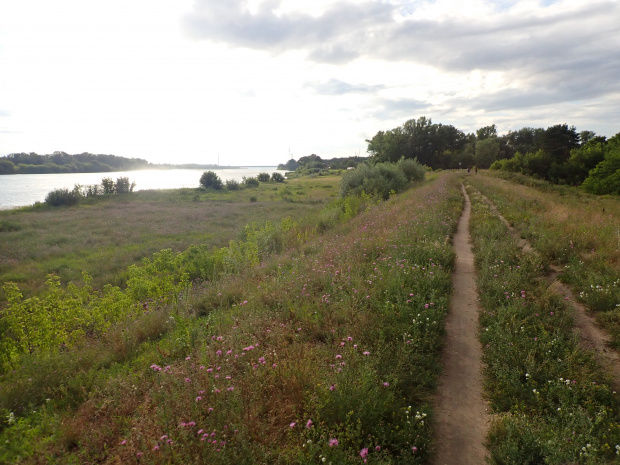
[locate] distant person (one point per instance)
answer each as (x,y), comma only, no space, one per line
(475,170)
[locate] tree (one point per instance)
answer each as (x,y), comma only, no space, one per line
(605,178)
(559,140)
(486,152)
(486,132)
(210,179)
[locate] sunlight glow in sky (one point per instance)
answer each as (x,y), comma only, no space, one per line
(257,82)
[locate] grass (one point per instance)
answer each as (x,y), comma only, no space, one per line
(578,232)
(553,404)
(107,234)
(343,328)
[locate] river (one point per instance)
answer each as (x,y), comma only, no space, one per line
(17,190)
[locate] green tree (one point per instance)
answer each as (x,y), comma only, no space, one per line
(605,177)
(487,151)
(210,179)
(486,132)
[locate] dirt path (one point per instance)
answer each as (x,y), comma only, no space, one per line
(591,336)
(461,415)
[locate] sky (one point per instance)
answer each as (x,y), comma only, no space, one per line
(257,82)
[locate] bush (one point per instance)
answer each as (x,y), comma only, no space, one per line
(412,169)
(380,180)
(605,178)
(64,196)
(277,177)
(210,179)
(263,177)
(123,186)
(250,182)
(232,184)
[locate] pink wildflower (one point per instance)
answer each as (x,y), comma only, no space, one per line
(366,352)
(292,425)
(364,452)
(309,424)
(333,442)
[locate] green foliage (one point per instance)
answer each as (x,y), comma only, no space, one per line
(232,185)
(251,181)
(61,162)
(64,196)
(210,179)
(605,177)
(263,177)
(381,179)
(277,177)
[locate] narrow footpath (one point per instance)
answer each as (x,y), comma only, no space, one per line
(461,414)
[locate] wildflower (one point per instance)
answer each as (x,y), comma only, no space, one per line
(198,399)
(386,384)
(332,387)
(378,448)
(333,442)
(156,448)
(414,449)
(366,352)
(139,454)
(202,367)
(274,366)
(338,356)
(364,452)
(309,424)
(349,338)
(164,437)
(200,431)
(188,380)
(188,358)
(231,388)
(218,352)
(123,442)
(292,425)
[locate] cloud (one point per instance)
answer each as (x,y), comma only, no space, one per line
(398,108)
(337,87)
(560,51)
(4,113)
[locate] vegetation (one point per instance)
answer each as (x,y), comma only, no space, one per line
(382,179)
(105,234)
(61,162)
(313,336)
(552,402)
(343,328)
(313,165)
(576,231)
(558,154)
(66,197)
(210,179)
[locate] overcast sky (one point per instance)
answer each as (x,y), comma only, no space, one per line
(258,82)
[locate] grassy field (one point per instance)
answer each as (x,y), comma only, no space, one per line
(107,234)
(578,232)
(315,339)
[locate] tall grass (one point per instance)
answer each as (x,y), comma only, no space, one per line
(552,403)
(326,353)
(578,232)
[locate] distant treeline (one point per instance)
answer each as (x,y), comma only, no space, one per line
(313,164)
(61,162)
(558,154)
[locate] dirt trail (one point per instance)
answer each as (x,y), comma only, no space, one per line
(591,337)
(461,414)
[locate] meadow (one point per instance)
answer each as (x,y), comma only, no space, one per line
(551,402)
(308,330)
(108,233)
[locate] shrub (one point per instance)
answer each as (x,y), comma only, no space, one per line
(64,196)
(263,177)
(251,181)
(210,179)
(232,184)
(277,177)
(108,186)
(380,180)
(123,186)
(605,178)
(412,169)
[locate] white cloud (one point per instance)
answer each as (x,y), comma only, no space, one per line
(187,80)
